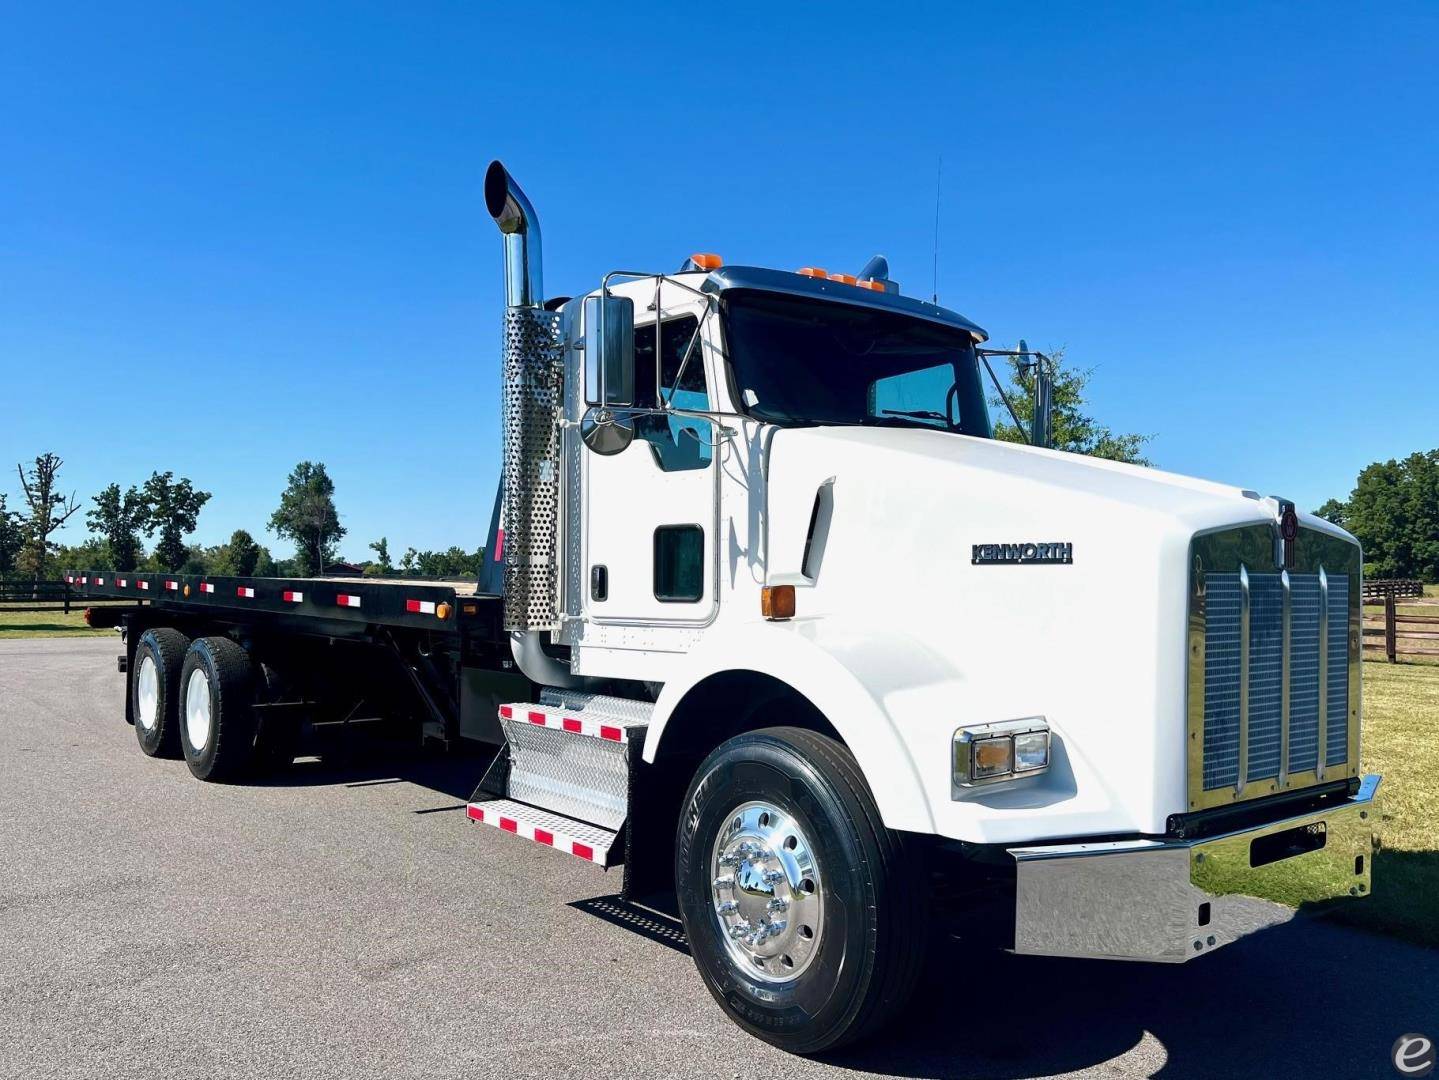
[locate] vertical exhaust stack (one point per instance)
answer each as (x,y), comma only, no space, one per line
(533,369)
(516,218)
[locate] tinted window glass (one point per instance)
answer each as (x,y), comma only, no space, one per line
(677,335)
(797,360)
(679,443)
(679,563)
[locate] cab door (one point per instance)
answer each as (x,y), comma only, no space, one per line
(650,550)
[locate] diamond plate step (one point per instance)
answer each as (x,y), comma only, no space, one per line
(584,841)
(570,753)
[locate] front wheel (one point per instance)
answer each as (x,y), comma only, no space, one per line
(804,913)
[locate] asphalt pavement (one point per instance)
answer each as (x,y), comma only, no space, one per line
(346,920)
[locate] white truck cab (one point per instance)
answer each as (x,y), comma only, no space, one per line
(765,513)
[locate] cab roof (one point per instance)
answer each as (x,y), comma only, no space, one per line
(782,281)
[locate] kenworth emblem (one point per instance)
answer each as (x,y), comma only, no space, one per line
(1022,554)
(1288,532)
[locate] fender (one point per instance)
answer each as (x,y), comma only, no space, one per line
(857,676)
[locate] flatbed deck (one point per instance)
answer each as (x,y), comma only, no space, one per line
(396,602)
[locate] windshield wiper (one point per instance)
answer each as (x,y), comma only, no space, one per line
(918,414)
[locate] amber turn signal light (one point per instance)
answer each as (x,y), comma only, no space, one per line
(777,602)
(442,611)
(707,260)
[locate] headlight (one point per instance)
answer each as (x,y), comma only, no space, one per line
(986,753)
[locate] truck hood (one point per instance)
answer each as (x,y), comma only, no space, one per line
(1096,644)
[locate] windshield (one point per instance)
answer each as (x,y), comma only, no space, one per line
(801,361)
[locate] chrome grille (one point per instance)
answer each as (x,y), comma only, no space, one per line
(1274,701)
(1234,603)
(1337,683)
(1304,671)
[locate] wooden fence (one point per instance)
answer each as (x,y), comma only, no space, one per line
(49,596)
(1392,632)
(1399,588)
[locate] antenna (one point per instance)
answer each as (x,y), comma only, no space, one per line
(938,179)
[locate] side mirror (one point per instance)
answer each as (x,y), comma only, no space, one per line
(1043,406)
(606,431)
(609,350)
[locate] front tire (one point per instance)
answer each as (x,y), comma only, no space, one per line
(155,690)
(805,915)
(217,718)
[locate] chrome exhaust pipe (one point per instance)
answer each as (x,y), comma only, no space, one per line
(516,218)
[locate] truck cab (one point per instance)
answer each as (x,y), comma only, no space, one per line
(771,509)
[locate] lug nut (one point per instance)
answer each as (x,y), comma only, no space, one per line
(773,877)
(777,904)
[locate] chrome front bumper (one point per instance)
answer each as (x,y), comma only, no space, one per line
(1173,900)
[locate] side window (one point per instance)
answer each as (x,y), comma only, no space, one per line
(679,563)
(916,395)
(677,336)
(678,443)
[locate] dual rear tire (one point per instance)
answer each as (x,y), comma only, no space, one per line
(195,699)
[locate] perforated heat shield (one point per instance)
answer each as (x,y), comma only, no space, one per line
(533,373)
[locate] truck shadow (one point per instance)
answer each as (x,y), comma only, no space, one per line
(1303,999)
(369,762)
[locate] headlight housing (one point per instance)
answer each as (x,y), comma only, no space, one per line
(989,753)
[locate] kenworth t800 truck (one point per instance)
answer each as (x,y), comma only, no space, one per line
(770,618)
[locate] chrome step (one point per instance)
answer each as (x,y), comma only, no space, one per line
(584,841)
(570,754)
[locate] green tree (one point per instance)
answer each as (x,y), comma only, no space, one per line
(381,548)
(49,510)
(93,554)
(1333,511)
(243,554)
(265,564)
(172,509)
(200,560)
(238,557)
(12,538)
(1394,513)
(453,562)
(1071,427)
(118,517)
(308,517)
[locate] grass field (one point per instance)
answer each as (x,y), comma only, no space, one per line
(18,624)
(1401,742)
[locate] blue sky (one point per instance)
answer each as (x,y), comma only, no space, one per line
(237,236)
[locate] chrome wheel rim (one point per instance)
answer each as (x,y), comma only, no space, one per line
(147,693)
(767,893)
(197,709)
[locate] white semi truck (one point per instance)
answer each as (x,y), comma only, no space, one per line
(772,619)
